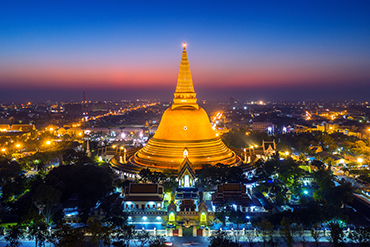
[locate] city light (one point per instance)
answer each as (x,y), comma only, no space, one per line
(360,160)
(48,142)
(286,153)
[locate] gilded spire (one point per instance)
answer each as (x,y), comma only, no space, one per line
(184,94)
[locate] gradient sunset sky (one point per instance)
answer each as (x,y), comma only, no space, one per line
(252,50)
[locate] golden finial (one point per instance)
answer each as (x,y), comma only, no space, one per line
(184,45)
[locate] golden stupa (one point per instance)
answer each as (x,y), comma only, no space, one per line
(184,127)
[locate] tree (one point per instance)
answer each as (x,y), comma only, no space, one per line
(360,236)
(336,237)
(237,217)
(67,236)
(265,231)
(123,236)
(115,215)
(99,233)
(8,169)
(46,197)
(13,236)
(223,211)
(38,230)
(145,174)
(92,183)
(315,234)
(287,231)
(250,237)
(13,189)
(142,238)
(220,239)
(158,241)
(302,236)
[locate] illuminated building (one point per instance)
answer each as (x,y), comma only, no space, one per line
(184,127)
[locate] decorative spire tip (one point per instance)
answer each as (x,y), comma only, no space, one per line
(184,45)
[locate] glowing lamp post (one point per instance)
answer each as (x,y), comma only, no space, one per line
(245,155)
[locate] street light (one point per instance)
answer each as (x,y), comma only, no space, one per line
(18,145)
(287,153)
(48,142)
(360,160)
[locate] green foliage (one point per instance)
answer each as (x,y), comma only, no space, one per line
(38,231)
(210,176)
(360,236)
(147,175)
(67,236)
(237,217)
(46,198)
(99,232)
(142,238)
(220,239)
(27,211)
(14,236)
(287,231)
(315,234)
(72,157)
(114,215)
(14,188)
(279,176)
(265,231)
(157,242)
(336,236)
(8,170)
(89,181)
(123,236)
(328,193)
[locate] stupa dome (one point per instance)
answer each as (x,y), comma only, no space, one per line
(184,125)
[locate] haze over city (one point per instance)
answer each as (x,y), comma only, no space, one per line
(124,49)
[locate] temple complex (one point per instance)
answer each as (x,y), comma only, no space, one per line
(184,128)
(183,143)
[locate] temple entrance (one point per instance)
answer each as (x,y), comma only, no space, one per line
(187,232)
